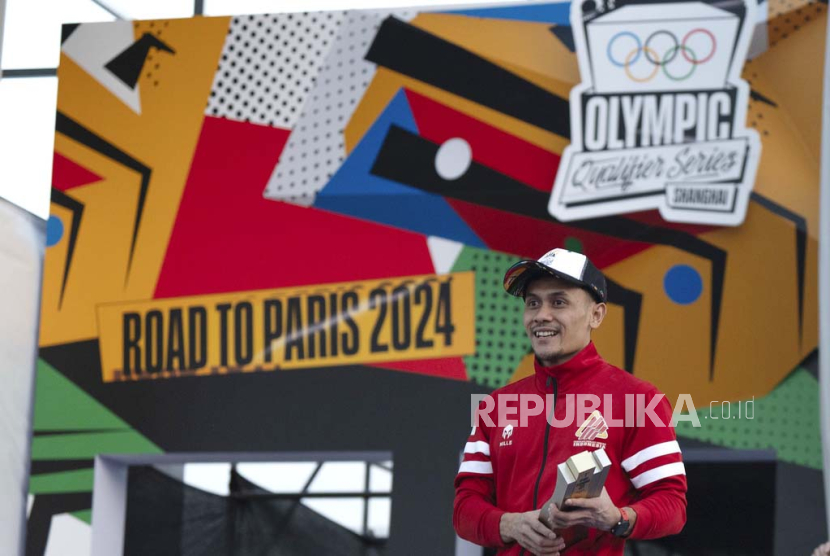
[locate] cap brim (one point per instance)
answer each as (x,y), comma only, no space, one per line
(517,276)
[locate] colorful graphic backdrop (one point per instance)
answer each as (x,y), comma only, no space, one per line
(343,191)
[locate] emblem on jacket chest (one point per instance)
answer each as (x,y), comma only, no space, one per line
(592,429)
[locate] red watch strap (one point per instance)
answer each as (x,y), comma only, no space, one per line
(624,514)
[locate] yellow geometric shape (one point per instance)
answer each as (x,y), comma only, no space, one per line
(162,138)
(791,61)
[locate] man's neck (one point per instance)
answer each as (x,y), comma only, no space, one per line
(563,358)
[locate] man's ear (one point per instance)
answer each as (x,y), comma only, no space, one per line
(597,314)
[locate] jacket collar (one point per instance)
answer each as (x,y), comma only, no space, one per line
(570,372)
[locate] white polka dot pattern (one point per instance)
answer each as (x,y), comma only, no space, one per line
(268,65)
(315,148)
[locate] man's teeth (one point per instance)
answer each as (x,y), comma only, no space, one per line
(545,333)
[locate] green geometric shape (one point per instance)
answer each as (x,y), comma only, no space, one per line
(78,480)
(573,244)
(89,444)
(500,338)
(84,515)
(787,420)
(61,405)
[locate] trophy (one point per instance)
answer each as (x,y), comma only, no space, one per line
(580,476)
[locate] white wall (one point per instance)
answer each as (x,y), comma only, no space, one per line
(22,242)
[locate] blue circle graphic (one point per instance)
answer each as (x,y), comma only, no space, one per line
(614,40)
(683,284)
(54,231)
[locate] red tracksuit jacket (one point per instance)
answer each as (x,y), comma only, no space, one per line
(502,465)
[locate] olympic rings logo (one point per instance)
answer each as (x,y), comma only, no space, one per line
(657,62)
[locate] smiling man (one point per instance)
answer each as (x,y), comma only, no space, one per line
(501,485)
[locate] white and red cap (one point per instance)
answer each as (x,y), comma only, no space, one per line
(566,265)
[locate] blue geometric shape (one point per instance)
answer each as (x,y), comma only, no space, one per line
(355,191)
(557,12)
(683,284)
(54,230)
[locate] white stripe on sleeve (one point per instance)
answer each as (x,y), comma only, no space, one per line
(668,470)
(651,452)
(480,467)
(479,447)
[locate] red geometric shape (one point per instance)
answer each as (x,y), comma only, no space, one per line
(532,166)
(449,367)
(227,237)
(529,237)
(492,147)
(68,174)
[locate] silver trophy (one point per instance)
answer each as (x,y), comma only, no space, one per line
(580,476)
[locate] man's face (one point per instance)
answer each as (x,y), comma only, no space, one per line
(558,319)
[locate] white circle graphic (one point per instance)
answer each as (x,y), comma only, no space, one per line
(453,158)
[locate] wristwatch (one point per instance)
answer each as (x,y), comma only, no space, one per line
(621,528)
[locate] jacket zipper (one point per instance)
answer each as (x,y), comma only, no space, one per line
(545,453)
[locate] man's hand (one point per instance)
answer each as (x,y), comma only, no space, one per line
(530,533)
(822,550)
(598,513)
